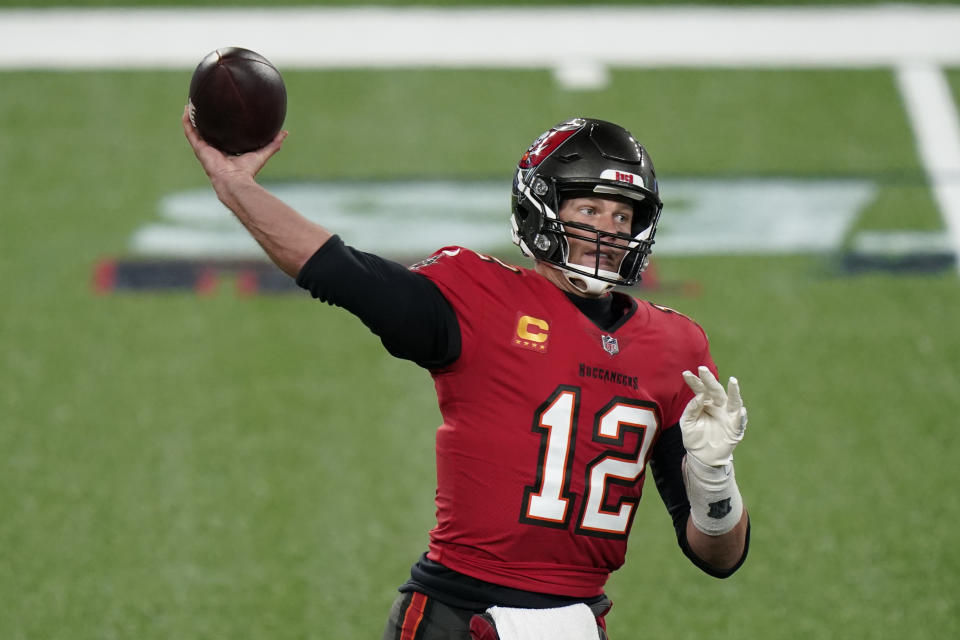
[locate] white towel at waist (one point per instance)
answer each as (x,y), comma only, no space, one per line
(575,622)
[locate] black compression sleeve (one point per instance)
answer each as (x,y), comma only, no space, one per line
(405,309)
(666,465)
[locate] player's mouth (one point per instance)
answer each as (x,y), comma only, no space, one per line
(603,260)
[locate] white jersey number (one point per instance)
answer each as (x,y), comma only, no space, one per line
(548,501)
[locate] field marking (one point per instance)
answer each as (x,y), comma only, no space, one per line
(702,36)
(915,41)
(933,116)
(412,218)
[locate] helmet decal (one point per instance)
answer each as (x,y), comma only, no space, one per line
(540,187)
(622,176)
(547,143)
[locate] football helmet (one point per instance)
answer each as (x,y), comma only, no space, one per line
(576,158)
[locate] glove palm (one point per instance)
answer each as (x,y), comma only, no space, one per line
(714,420)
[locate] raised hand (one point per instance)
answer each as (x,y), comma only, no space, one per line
(714,420)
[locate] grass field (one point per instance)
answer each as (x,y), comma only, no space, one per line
(178,466)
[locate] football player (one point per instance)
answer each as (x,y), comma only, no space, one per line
(555,390)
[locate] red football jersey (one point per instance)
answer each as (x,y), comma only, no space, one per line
(548,422)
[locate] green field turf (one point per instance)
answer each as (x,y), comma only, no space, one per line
(176,466)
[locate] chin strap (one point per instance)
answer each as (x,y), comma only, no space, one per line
(587,285)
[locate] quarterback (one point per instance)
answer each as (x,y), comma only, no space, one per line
(556,391)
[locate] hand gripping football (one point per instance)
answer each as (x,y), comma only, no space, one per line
(238,100)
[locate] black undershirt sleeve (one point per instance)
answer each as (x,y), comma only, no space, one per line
(406,310)
(665,464)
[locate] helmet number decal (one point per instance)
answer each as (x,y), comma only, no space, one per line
(548,502)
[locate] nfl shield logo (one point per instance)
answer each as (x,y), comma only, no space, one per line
(610,345)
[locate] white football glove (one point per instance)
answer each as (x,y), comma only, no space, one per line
(714,420)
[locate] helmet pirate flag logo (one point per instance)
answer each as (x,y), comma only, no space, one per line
(548,142)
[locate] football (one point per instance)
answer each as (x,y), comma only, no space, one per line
(238,100)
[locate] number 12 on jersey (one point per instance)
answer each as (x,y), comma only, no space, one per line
(549,502)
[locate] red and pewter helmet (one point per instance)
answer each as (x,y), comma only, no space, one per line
(577,158)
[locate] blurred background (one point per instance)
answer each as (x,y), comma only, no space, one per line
(191,448)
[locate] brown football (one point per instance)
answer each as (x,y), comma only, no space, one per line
(238,100)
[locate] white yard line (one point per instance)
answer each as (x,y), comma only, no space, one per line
(933,116)
(914,40)
(487,37)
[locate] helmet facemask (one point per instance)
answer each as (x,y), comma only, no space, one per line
(633,247)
